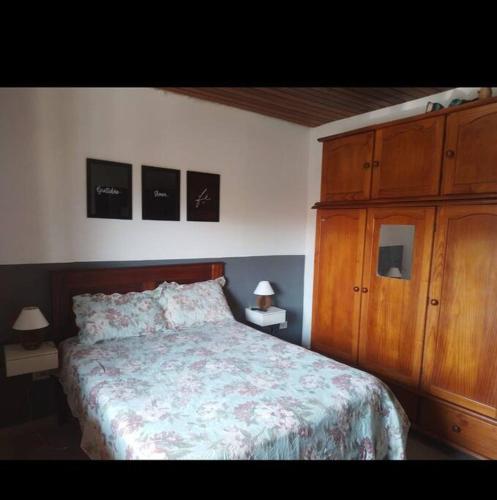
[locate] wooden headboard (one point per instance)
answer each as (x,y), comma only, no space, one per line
(66,284)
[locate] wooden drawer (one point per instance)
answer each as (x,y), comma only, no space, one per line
(462,429)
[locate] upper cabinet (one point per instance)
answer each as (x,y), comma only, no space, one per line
(346,171)
(470,156)
(408,158)
(449,152)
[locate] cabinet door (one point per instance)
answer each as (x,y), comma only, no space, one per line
(346,171)
(395,289)
(408,159)
(470,159)
(337,281)
(461,337)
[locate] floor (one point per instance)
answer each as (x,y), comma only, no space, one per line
(41,439)
(45,440)
(420,447)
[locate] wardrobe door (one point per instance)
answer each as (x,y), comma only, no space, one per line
(337,282)
(470,159)
(346,171)
(395,288)
(460,361)
(408,159)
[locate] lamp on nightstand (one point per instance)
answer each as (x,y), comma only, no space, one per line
(29,322)
(263,292)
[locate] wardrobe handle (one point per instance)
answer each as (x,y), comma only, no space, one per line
(356,289)
(366,165)
(376,163)
(434,302)
(456,428)
(450,153)
(364,290)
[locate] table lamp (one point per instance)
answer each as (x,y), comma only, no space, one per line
(263,292)
(29,322)
(394,272)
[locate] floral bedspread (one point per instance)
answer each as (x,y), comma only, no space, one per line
(226,391)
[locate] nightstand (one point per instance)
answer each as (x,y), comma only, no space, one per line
(273,316)
(19,361)
(28,384)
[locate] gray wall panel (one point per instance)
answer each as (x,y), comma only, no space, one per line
(29,284)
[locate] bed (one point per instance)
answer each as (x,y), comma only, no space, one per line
(222,390)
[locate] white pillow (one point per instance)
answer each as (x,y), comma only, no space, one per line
(193,304)
(104,317)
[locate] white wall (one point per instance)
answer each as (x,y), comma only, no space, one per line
(46,134)
(314,171)
(270,175)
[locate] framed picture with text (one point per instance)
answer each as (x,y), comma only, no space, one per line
(108,189)
(160,193)
(202,196)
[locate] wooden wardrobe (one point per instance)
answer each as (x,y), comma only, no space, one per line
(405,277)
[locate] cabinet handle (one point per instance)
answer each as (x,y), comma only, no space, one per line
(434,302)
(364,290)
(366,165)
(450,153)
(356,289)
(376,163)
(456,428)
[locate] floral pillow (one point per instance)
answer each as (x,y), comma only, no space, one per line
(104,317)
(193,304)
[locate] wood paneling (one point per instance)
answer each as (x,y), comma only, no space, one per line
(461,335)
(393,310)
(337,282)
(346,170)
(308,106)
(470,157)
(408,159)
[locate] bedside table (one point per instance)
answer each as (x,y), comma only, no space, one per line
(29,396)
(273,316)
(19,361)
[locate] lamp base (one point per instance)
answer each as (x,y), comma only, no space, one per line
(263,302)
(31,341)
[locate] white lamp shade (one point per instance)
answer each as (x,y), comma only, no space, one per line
(394,272)
(264,288)
(31,318)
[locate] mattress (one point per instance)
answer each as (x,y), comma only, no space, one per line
(226,391)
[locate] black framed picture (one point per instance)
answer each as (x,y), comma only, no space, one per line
(202,196)
(160,193)
(108,189)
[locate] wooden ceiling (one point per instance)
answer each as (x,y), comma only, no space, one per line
(309,106)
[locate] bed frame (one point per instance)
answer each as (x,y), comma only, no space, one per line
(66,284)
